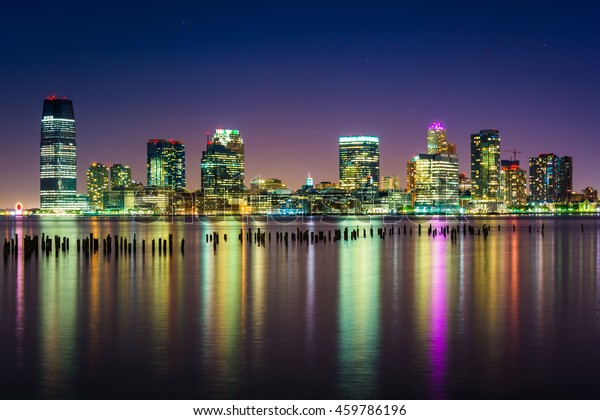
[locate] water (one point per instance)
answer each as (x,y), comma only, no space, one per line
(516,315)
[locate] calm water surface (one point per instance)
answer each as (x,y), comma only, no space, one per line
(516,315)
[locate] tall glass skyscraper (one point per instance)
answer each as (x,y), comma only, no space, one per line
(485,170)
(550,178)
(58,157)
(165,163)
(222,165)
(359,161)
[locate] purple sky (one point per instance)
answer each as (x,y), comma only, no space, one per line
(294,77)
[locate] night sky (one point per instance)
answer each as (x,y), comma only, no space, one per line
(292,77)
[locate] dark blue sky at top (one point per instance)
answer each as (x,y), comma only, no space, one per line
(293,76)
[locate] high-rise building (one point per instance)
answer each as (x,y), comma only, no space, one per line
(513,183)
(437,141)
(550,178)
(359,161)
(390,183)
(222,165)
(432,178)
(485,169)
(97,184)
(165,163)
(120,176)
(436,183)
(58,157)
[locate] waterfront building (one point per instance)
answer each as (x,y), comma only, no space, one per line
(222,165)
(120,199)
(97,184)
(550,178)
(513,183)
(165,163)
(436,183)
(359,162)
(120,176)
(58,157)
(485,171)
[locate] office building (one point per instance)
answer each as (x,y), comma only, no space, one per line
(58,157)
(165,164)
(359,162)
(437,141)
(120,176)
(485,170)
(436,183)
(222,165)
(97,184)
(550,178)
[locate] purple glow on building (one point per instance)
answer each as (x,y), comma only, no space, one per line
(436,125)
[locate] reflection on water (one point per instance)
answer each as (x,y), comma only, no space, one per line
(358,318)
(516,315)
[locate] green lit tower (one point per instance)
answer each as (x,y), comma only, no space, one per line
(222,165)
(97,184)
(485,170)
(165,164)
(359,161)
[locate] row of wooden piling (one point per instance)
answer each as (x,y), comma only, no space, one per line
(122,245)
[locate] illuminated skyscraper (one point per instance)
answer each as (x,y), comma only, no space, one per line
(437,142)
(58,156)
(436,183)
(222,165)
(485,170)
(513,184)
(97,184)
(432,177)
(359,161)
(120,176)
(550,178)
(165,164)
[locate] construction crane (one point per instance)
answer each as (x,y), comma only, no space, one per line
(514,152)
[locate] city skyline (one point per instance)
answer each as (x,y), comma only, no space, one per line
(433,179)
(296,92)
